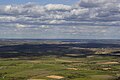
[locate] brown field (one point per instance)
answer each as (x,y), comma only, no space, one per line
(55,77)
(108,63)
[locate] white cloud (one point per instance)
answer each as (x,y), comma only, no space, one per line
(57,21)
(20,26)
(87,12)
(57,7)
(7,18)
(79,11)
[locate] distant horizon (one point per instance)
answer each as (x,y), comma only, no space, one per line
(53,39)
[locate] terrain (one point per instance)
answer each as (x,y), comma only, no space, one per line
(26,59)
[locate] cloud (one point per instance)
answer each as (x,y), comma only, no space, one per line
(57,7)
(42,17)
(95,3)
(85,12)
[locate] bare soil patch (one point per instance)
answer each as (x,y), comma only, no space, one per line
(55,77)
(68,61)
(106,68)
(34,61)
(72,69)
(108,63)
(36,79)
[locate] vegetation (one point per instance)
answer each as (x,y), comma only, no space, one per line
(88,68)
(58,61)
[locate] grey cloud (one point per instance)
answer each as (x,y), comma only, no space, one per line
(85,12)
(95,3)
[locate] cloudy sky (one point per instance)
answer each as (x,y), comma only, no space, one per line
(56,19)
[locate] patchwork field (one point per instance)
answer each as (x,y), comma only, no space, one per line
(59,61)
(63,68)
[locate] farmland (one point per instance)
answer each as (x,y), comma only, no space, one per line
(59,61)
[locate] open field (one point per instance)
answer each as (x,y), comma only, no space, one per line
(65,68)
(61,61)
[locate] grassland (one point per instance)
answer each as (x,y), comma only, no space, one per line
(67,68)
(59,61)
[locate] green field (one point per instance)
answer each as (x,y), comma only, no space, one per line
(62,68)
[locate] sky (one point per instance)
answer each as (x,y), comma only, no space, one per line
(60,19)
(42,2)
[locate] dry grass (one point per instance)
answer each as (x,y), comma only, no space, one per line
(34,61)
(73,55)
(102,77)
(68,61)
